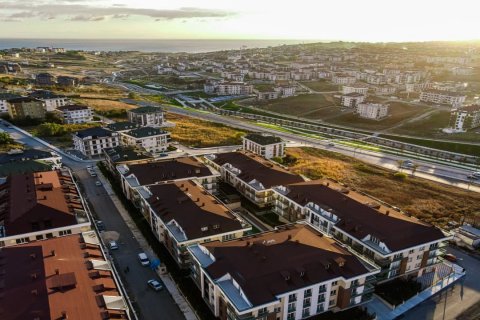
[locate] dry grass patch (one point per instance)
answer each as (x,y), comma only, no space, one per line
(199,133)
(432,202)
(106,105)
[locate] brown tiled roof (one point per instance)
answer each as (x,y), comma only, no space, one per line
(192,208)
(360,215)
(33,289)
(172,169)
(272,263)
(38,201)
(73,107)
(255,167)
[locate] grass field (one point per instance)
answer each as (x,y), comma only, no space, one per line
(106,105)
(429,201)
(321,85)
(399,111)
(298,105)
(199,133)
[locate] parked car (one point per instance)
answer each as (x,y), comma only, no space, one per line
(113,245)
(100,225)
(98,183)
(475,175)
(155,284)
(450,257)
(331,144)
(407,164)
(143,259)
(93,174)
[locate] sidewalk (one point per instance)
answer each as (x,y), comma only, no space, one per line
(166,279)
(384,312)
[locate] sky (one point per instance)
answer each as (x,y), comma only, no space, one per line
(348,20)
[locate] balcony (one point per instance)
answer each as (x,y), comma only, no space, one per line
(397,258)
(307,304)
(382,262)
(370,279)
(291,309)
(308,294)
(322,289)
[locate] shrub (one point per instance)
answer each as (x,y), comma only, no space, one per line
(400,176)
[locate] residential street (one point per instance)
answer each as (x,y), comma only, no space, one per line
(153,305)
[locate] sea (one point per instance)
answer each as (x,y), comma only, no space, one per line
(145,45)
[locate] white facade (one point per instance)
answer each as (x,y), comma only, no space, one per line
(93,145)
(154,143)
(228,88)
(147,116)
(356,89)
(267,150)
(351,100)
(443,97)
(53,103)
(374,111)
(76,114)
(345,80)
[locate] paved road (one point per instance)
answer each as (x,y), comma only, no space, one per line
(448,305)
(431,171)
(153,305)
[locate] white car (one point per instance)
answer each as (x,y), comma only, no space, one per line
(155,284)
(113,245)
(143,259)
(98,183)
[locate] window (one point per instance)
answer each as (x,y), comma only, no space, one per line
(291,316)
(39,237)
(308,293)
(306,302)
(334,283)
(322,288)
(320,308)
(228,237)
(49,235)
(262,311)
(333,292)
(292,297)
(291,306)
(421,249)
(22,240)
(332,302)
(410,252)
(65,232)
(306,312)
(277,309)
(321,298)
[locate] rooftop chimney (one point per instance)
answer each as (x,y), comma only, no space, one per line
(64,315)
(57,271)
(52,253)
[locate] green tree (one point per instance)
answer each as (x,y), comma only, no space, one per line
(5,138)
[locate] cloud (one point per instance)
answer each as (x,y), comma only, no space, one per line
(75,10)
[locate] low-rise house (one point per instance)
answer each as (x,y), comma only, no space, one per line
(374,111)
(26,107)
(61,278)
(52,100)
(91,142)
(40,205)
(465,118)
(153,140)
(292,272)
(4,97)
(181,214)
(177,169)
(18,156)
(45,79)
(265,145)
(399,244)
(66,81)
(252,176)
(75,113)
(454,99)
(351,100)
(147,116)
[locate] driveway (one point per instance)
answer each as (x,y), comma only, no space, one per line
(450,304)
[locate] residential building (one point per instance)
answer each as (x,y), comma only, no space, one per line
(65,81)
(385,90)
(454,99)
(265,145)
(343,79)
(465,118)
(290,273)
(40,205)
(122,126)
(127,155)
(398,243)
(25,107)
(351,100)
(45,79)
(147,116)
(69,277)
(18,156)
(252,176)
(10,67)
(4,97)
(153,140)
(177,169)
(91,142)
(463,71)
(374,111)
(361,89)
(75,113)
(467,236)
(52,100)
(228,88)
(181,214)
